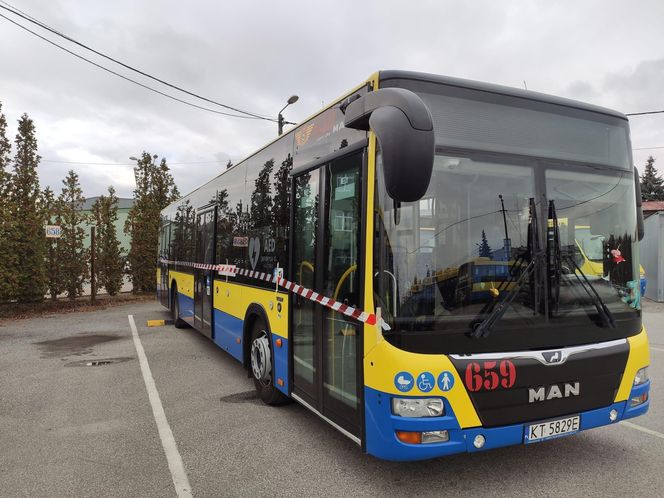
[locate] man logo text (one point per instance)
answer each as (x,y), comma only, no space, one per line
(545,393)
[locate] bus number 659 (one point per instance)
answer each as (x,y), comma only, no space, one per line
(490,375)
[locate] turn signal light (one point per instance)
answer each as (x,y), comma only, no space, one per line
(409,437)
(638,400)
(423,437)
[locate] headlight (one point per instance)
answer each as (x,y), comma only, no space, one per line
(418,407)
(641,376)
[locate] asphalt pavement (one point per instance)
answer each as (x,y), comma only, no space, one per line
(76,419)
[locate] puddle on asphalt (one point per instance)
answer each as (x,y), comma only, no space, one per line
(98,362)
(243,397)
(76,345)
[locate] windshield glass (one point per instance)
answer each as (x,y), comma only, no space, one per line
(443,263)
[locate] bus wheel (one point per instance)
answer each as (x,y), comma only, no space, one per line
(262,367)
(175,309)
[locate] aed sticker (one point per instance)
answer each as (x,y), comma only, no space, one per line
(404,381)
(445,381)
(425,382)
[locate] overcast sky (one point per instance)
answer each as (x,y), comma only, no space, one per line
(255,54)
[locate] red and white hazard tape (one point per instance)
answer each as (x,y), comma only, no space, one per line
(232,271)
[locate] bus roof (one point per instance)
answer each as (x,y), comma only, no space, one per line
(497,89)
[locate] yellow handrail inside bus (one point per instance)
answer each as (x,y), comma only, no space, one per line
(310,267)
(343,278)
(307,265)
(344,331)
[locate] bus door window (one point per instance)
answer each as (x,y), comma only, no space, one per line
(304,272)
(342,282)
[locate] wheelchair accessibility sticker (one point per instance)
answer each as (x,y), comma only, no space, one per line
(403,381)
(425,382)
(445,381)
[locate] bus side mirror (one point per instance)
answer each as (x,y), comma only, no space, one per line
(640,230)
(404,129)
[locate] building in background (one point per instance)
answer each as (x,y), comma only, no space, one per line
(652,249)
(652,207)
(124,205)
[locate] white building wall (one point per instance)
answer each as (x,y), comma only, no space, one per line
(652,256)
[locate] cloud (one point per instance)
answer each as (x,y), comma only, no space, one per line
(629,90)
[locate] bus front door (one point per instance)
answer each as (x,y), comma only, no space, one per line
(203,287)
(326,258)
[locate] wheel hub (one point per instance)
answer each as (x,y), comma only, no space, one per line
(261,360)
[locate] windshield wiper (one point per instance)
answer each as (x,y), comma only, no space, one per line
(605,315)
(532,270)
(555,259)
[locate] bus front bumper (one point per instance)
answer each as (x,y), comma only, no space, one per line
(381,427)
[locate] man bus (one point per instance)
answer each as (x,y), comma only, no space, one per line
(315,263)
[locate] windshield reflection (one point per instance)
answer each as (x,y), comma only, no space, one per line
(444,262)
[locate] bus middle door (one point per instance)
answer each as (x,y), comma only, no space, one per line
(203,286)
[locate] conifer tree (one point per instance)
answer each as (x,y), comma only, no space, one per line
(108,252)
(652,185)
(281,208)
(28,240)
(51,209)
(155,189)
(261,199)
(72,253)
(485,250)
(8,256)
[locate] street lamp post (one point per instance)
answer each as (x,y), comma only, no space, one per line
(280,118)
(507,243)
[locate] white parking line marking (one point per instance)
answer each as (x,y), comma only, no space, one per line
(657,349)
(180,480)
(643,429)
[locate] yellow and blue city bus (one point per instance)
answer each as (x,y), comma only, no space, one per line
(331,264)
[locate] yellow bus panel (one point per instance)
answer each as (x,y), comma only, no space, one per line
(639,357)
(384,362)
(184,281)
(234,299)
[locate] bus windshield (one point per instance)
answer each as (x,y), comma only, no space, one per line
(443,263)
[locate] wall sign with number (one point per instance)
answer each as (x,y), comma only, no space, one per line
(489,375)
(53,231)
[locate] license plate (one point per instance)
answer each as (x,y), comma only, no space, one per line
(551,429)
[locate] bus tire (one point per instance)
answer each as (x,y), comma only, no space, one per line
(178,322)
(261,364)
